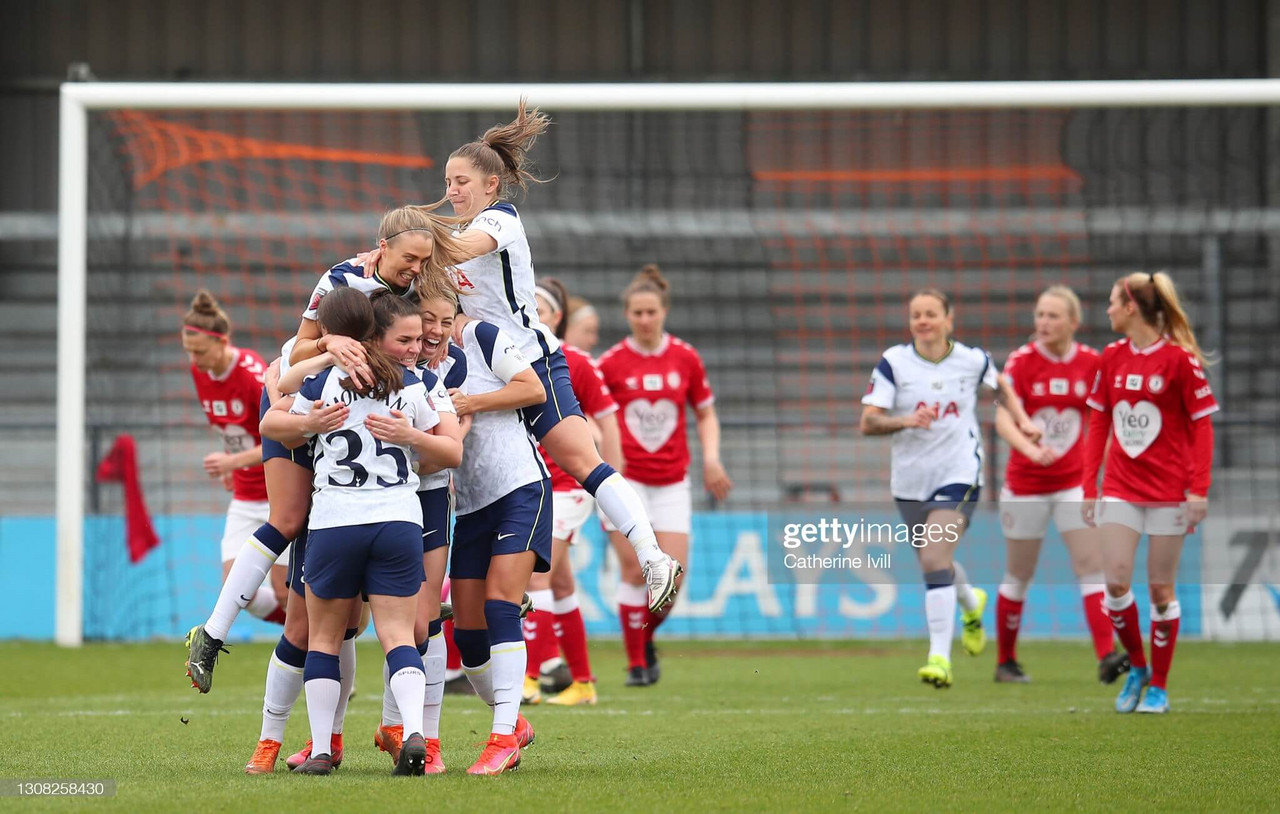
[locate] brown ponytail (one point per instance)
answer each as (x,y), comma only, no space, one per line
(207,317)
(503,149)
(1158,304)
(649,280)
(347,312)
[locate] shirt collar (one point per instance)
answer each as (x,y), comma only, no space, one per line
(1066,357)
(1149,349)
(663,344)
(226,374)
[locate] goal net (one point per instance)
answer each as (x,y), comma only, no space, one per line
(792,238)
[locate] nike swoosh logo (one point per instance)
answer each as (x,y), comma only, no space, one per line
(427,534)
(244,598)
(536,417)
(505,536)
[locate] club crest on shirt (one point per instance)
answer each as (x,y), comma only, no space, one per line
(673,380)
(1155,383)
(1081,388)
(237,407)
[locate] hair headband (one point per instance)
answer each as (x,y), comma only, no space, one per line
(410,229)
(549,297)
(214,334)
(582,313)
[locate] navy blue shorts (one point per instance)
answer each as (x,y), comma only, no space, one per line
(379,559)
(521,521)
(437,518)
(553,372)
(297,559)
(957,497)
(274,449)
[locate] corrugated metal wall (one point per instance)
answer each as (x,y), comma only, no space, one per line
(592,40)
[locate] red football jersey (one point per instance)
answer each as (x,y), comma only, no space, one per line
(231,405)
(1153,396)
(652,389)
(1053,392)
(596,401)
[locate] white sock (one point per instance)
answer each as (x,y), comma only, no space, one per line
(620,503)
(1091,584)
(433,666)
(508,661)
(390,712)
(940,610)
(264,603)
(250,568)
(408,687)
(322,705)
(284,682)
(1013,589)
(964,593)
(481,679)
(347,664)
(542,600)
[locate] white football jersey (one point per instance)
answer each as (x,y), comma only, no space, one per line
(347,275)
(498,287)
(498,456)
(285,350)
(451,373)
(359,479)
(950,451)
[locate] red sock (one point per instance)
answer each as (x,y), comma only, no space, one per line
(572,634)
(654,622)
(276,616)
(1164,635)
(453,659)
(1095,616)
(1008,622)
(1125,622)
(635,619)
(539,641)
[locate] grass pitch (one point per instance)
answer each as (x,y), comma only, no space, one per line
(761,726)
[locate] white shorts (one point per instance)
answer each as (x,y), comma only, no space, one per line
(1026,517)
(1163,520)
(670,507)
(243,519)
(569,510)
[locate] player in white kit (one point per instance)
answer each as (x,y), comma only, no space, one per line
(925,394)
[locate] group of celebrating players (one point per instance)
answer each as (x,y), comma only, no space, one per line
(1143,404)
(426,418)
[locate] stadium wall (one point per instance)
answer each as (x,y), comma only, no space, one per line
(728,593)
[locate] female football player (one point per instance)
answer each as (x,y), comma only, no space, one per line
(368,478)
(653,376)
(1152,391)
(582,325)
(556,622)
(925,394)
(1052,375)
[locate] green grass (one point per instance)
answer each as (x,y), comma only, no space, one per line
(773,726)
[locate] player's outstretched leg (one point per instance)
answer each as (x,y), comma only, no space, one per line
(202,655)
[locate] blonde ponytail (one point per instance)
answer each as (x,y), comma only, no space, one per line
(1157,301)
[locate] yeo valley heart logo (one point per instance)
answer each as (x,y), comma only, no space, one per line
(1061,428)
(652,423)
(1135,426)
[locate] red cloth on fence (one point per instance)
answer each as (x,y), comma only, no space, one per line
(121,466)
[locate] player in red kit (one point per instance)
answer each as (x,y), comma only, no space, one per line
(229,385)
(1052,375)
(653,376)
(555,624)
(1151,391)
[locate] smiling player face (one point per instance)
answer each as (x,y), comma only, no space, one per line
(437,324)
(404,256)
(403,340)
(930,321)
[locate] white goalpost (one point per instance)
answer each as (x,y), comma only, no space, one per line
(77,99)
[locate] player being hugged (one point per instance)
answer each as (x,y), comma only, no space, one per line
(555,623)
(1052,375)
(363,473)
(653,376)
(229,384)
(497,278)
(1152,391)
(502,534)
(925,394)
